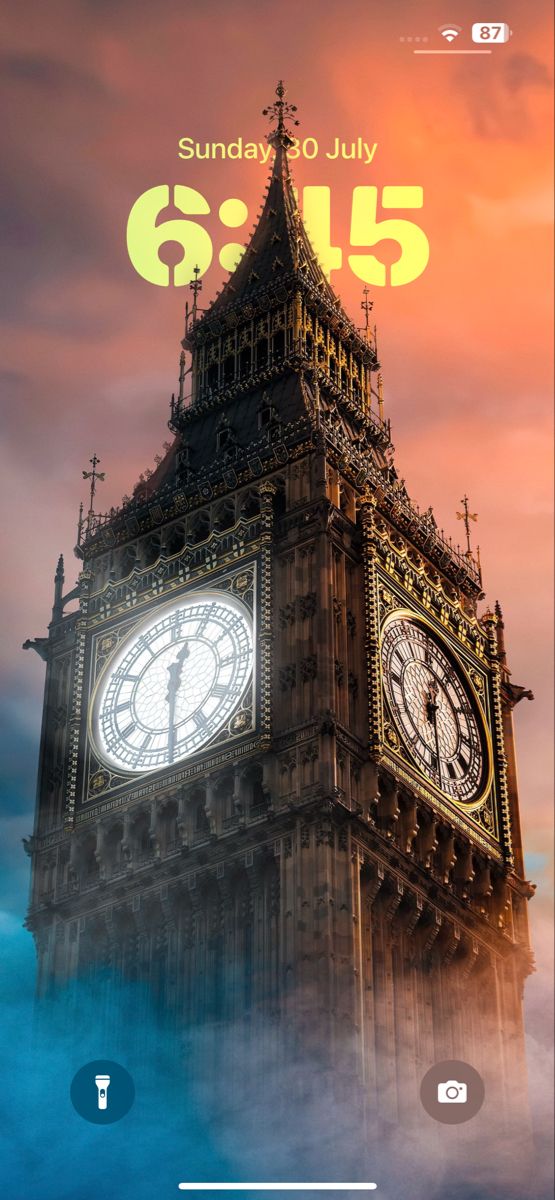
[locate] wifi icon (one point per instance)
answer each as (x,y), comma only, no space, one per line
(449,32)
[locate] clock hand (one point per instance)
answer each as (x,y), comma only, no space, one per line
(174,680)
(431,713)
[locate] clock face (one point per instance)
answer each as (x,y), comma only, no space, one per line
(434,709)
(174,683)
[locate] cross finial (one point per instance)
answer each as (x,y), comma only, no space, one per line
(279,111)
(95,477)
(467,517)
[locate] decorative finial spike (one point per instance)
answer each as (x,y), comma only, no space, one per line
(279,111)
(80,524)
(367,306)
(196,287)
(467,517)
(380,396)
(59,580)
(95,477)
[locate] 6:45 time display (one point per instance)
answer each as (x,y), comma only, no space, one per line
(146,234)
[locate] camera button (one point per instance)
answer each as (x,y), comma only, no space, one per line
(452,1092)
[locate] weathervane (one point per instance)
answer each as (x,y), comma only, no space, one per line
(279,111)
(467,517)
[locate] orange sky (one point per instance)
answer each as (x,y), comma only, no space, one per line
(98,95)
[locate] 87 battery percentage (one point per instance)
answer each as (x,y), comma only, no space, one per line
(488,32)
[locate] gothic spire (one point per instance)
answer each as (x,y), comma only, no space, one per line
(59,580)
(279,252)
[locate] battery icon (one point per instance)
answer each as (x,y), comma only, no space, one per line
(487,32)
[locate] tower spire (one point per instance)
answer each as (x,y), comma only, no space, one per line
(59,580)
(279,247)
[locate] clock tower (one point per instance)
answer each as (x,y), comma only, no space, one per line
(277,775)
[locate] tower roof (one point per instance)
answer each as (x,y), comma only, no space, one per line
(279,254)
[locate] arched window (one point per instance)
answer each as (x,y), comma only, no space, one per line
(141,834)
(151,550)
(250,505)
(262,354)
(113,847)
(168,827)
(198,812)
(245,361)
(225,516)
(89,864)
(225,797)
(200,527)
(176,539)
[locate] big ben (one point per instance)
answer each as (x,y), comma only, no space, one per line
(277,771)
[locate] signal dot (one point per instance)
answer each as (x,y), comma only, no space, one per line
(233,213)
(230,255)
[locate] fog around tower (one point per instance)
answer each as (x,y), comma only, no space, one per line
(285,1126)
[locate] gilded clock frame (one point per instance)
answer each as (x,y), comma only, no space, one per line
(101,677)
(483,819)
(100,787)
(443,640)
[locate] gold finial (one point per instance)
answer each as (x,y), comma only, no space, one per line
(380,396)
(196,287)
(467,517)
(80,523)
(95,477)
(367,306)
(279,111)
(182,374)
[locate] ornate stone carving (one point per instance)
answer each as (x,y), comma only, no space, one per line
(308,668)
(287,677)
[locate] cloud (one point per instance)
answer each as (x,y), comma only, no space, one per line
(502,216)
(524,71)
(60,79)
(213,1102)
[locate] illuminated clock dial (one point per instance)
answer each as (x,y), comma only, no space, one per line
(434,709)
(174,683)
